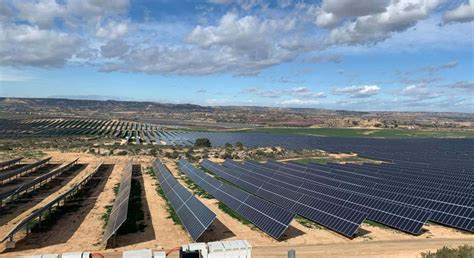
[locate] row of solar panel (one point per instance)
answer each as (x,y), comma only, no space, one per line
(270,218)
(366,178)
(393,215)
(55,202)
(7,163)
(19,171)
(194,215)
(6,196)
(324,212)
(455,212)
(118,215)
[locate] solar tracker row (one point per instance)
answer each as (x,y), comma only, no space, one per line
(451,211)
(47,207)
(194,215)
(8,163)
(391,214)
(343,220)
(270,218)
(364,178)
(8,175)
(39,181)
(118,215)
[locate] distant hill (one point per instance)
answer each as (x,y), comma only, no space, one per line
(227,116)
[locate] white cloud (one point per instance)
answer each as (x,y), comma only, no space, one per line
(112,30)
(40,12)
(420,92)
(399,16)
(299,102)
(31,46)
(248,32)
(332,12)
(463,13)
(242,46)
(467,86)
(298,92)
(244,4)
(362,91)
(114,48)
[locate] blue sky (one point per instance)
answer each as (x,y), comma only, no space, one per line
(382,55)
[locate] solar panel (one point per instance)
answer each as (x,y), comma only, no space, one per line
(119,211)
(267,216)
(7,163)
(22,189)
(394,215)
(451,211)
(194,215)
(55,202)
(343,220)
(28,168)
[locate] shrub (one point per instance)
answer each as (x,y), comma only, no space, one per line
(202,142)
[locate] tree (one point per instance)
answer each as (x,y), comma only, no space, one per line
(228,146)
(239,145)
(202,142)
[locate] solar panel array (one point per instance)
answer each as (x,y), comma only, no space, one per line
(386,194)
(194,215)
(22,189)
(8,175)
(8,163)
(54,203)
(321,210)
(452,207)
(408,219)
(119,211)
(270,218)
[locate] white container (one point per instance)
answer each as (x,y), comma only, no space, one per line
(144,253)
(216,250)
(159,254)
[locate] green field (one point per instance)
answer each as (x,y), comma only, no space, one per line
(371,133)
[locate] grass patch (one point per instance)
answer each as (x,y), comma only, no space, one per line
(150,171)
(446,252)
(105,217)
(226,209)
(169,208)
(116,188)
(108,209)
(308,223)
(196,189)
(370,133)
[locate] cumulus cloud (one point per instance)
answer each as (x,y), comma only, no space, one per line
(114,48)
(242,46)
(362,91)
(419,92)
(332,12)
(41,13)
(244,4)
(31,46)
(112,30)
(398,16)
(463,13)
(242,34)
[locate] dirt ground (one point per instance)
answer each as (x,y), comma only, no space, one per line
(82,230)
